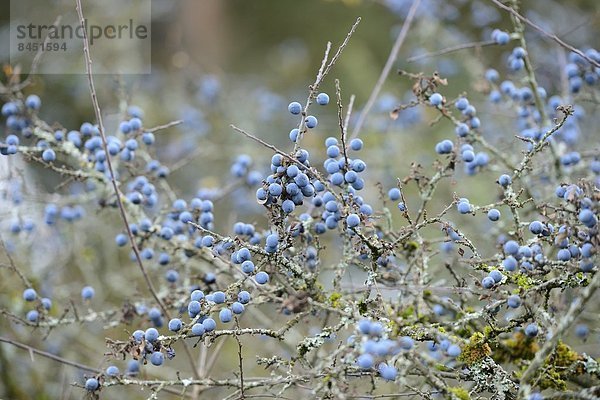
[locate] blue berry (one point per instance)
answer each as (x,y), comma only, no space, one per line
(46,303)
(209,324)
(463,207)
(468,155)
(364,326)
(531,330)
(92,384)
(29,294)
(194,308)
(323,99)
(517,64)
(133,367)
(219,297)
(492,75)
(582,331)
(33,315)
(513,301)
(311,122)
(453,350)
(237,308)
(197,295)
(436,99)
(225,315)
(356,144)
(586,215)
(157,358)
(500,37)
(154,313)
(175,325)
(444,147)
(272,240)
(48,155)
(294,134)
(112,371)
(563,255)
(462,104)
(275,189)
(496,276)
(125,127)
(511,247)
(376,329)
(135,123)
(209,278)
(461,130)
(138,335)
(504,180)
(207,241)
(387,372)
(288,206)
(536,227)
(131,144)
(262,278)
(295,108)
(333,151)
(148,138)
(292,171)
(244,297)
(197,329)
(394,194)
(33,102)
(247,267)
(365,361)
(488,282)
(493,214)
(352,220)
(87,292)
(171,276)
(151,335)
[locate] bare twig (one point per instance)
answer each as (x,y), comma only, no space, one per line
(49,355)
(386,69)
(545,33)
(88,66)
(452,49)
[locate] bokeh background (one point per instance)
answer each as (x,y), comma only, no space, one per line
(216,63)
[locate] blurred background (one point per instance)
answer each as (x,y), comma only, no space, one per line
(216,63)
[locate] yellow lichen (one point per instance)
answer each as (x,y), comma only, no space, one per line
(559,367)
(334,299)
(459,393)
(518,347)
(476,350)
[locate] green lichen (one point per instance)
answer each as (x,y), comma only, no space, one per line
(559,367)
(487,331)
(334,299)
(523,281)
(476,350)
(459,393)
(441,367)
(362,307)
(518,347)
(407,312)
(411,246)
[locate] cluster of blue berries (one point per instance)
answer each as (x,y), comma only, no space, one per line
(580,71)
(375,348)
(500,37)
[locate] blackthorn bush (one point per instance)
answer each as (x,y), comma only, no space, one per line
(322,269)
